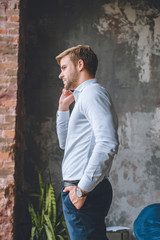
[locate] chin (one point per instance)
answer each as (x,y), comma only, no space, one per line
(67,87)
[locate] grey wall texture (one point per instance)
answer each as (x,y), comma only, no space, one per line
(125,35)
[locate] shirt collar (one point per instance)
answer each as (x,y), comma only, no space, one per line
(80,88)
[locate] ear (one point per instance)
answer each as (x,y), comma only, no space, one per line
(80,65)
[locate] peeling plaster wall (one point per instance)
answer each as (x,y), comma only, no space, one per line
(137,26)
(126,37)
(136,169)
(135,173)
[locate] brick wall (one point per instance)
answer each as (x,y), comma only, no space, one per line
(9,35)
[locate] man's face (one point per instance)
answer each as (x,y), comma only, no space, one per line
(69,73)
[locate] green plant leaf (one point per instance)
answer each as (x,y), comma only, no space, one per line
(49,233)
(33,231)
(41,198)
(40,221)
(47,198)
(49,224)
(64,224)
(32,214)
(60,237)
(62,230)
(53,203)
(40,182)
(34,195)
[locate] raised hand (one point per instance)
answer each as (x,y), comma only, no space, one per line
(65,100)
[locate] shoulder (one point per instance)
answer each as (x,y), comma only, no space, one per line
(94,96)
(94,91)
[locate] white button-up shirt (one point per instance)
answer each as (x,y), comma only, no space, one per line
(88,136)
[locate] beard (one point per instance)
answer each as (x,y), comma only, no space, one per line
(68,85)
(71,81)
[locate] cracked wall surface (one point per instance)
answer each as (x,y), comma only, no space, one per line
(134,26)
(136,169)
(137,26)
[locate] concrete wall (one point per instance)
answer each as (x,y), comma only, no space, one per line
(135,85)
(126,37)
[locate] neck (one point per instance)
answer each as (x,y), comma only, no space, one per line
(84,76)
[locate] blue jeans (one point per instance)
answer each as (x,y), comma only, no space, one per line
(88,222)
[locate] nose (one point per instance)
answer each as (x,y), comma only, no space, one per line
(60,75)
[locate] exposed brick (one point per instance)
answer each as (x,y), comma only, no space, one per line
(3,31)
(8,126)
(8,46)
(13,80)
(13,31)
(9,38)
(4,156)
(9,165)
(9,133)
(10,119)
(11,72)
(3,18)
(9,103)
(11,58)
(2,87)
(12,12)
(7,111)
(2,119)
(12,25)
(6,172)
(5,148)
(15,40)
(13,4)
(2,58)
(6,211)
(1,164)
(9,51)
(5,79)
(2,12)
(2,110)
(6,141)
(5,39)
(14,18)
(8,65)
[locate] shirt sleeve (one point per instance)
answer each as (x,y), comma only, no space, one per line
(99,111)
(62,120)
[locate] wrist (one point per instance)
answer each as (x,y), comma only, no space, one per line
(63,108)
(80,192)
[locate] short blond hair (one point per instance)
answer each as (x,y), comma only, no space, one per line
(83,52)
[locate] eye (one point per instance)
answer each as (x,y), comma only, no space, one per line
(63,68)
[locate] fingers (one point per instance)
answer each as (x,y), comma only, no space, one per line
(67,96)
(66,92)
(65,100)
(76,201)
(68,189)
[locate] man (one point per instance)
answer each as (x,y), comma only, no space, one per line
(89,138)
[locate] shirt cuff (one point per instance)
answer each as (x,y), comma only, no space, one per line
(63,115)
(87,186)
